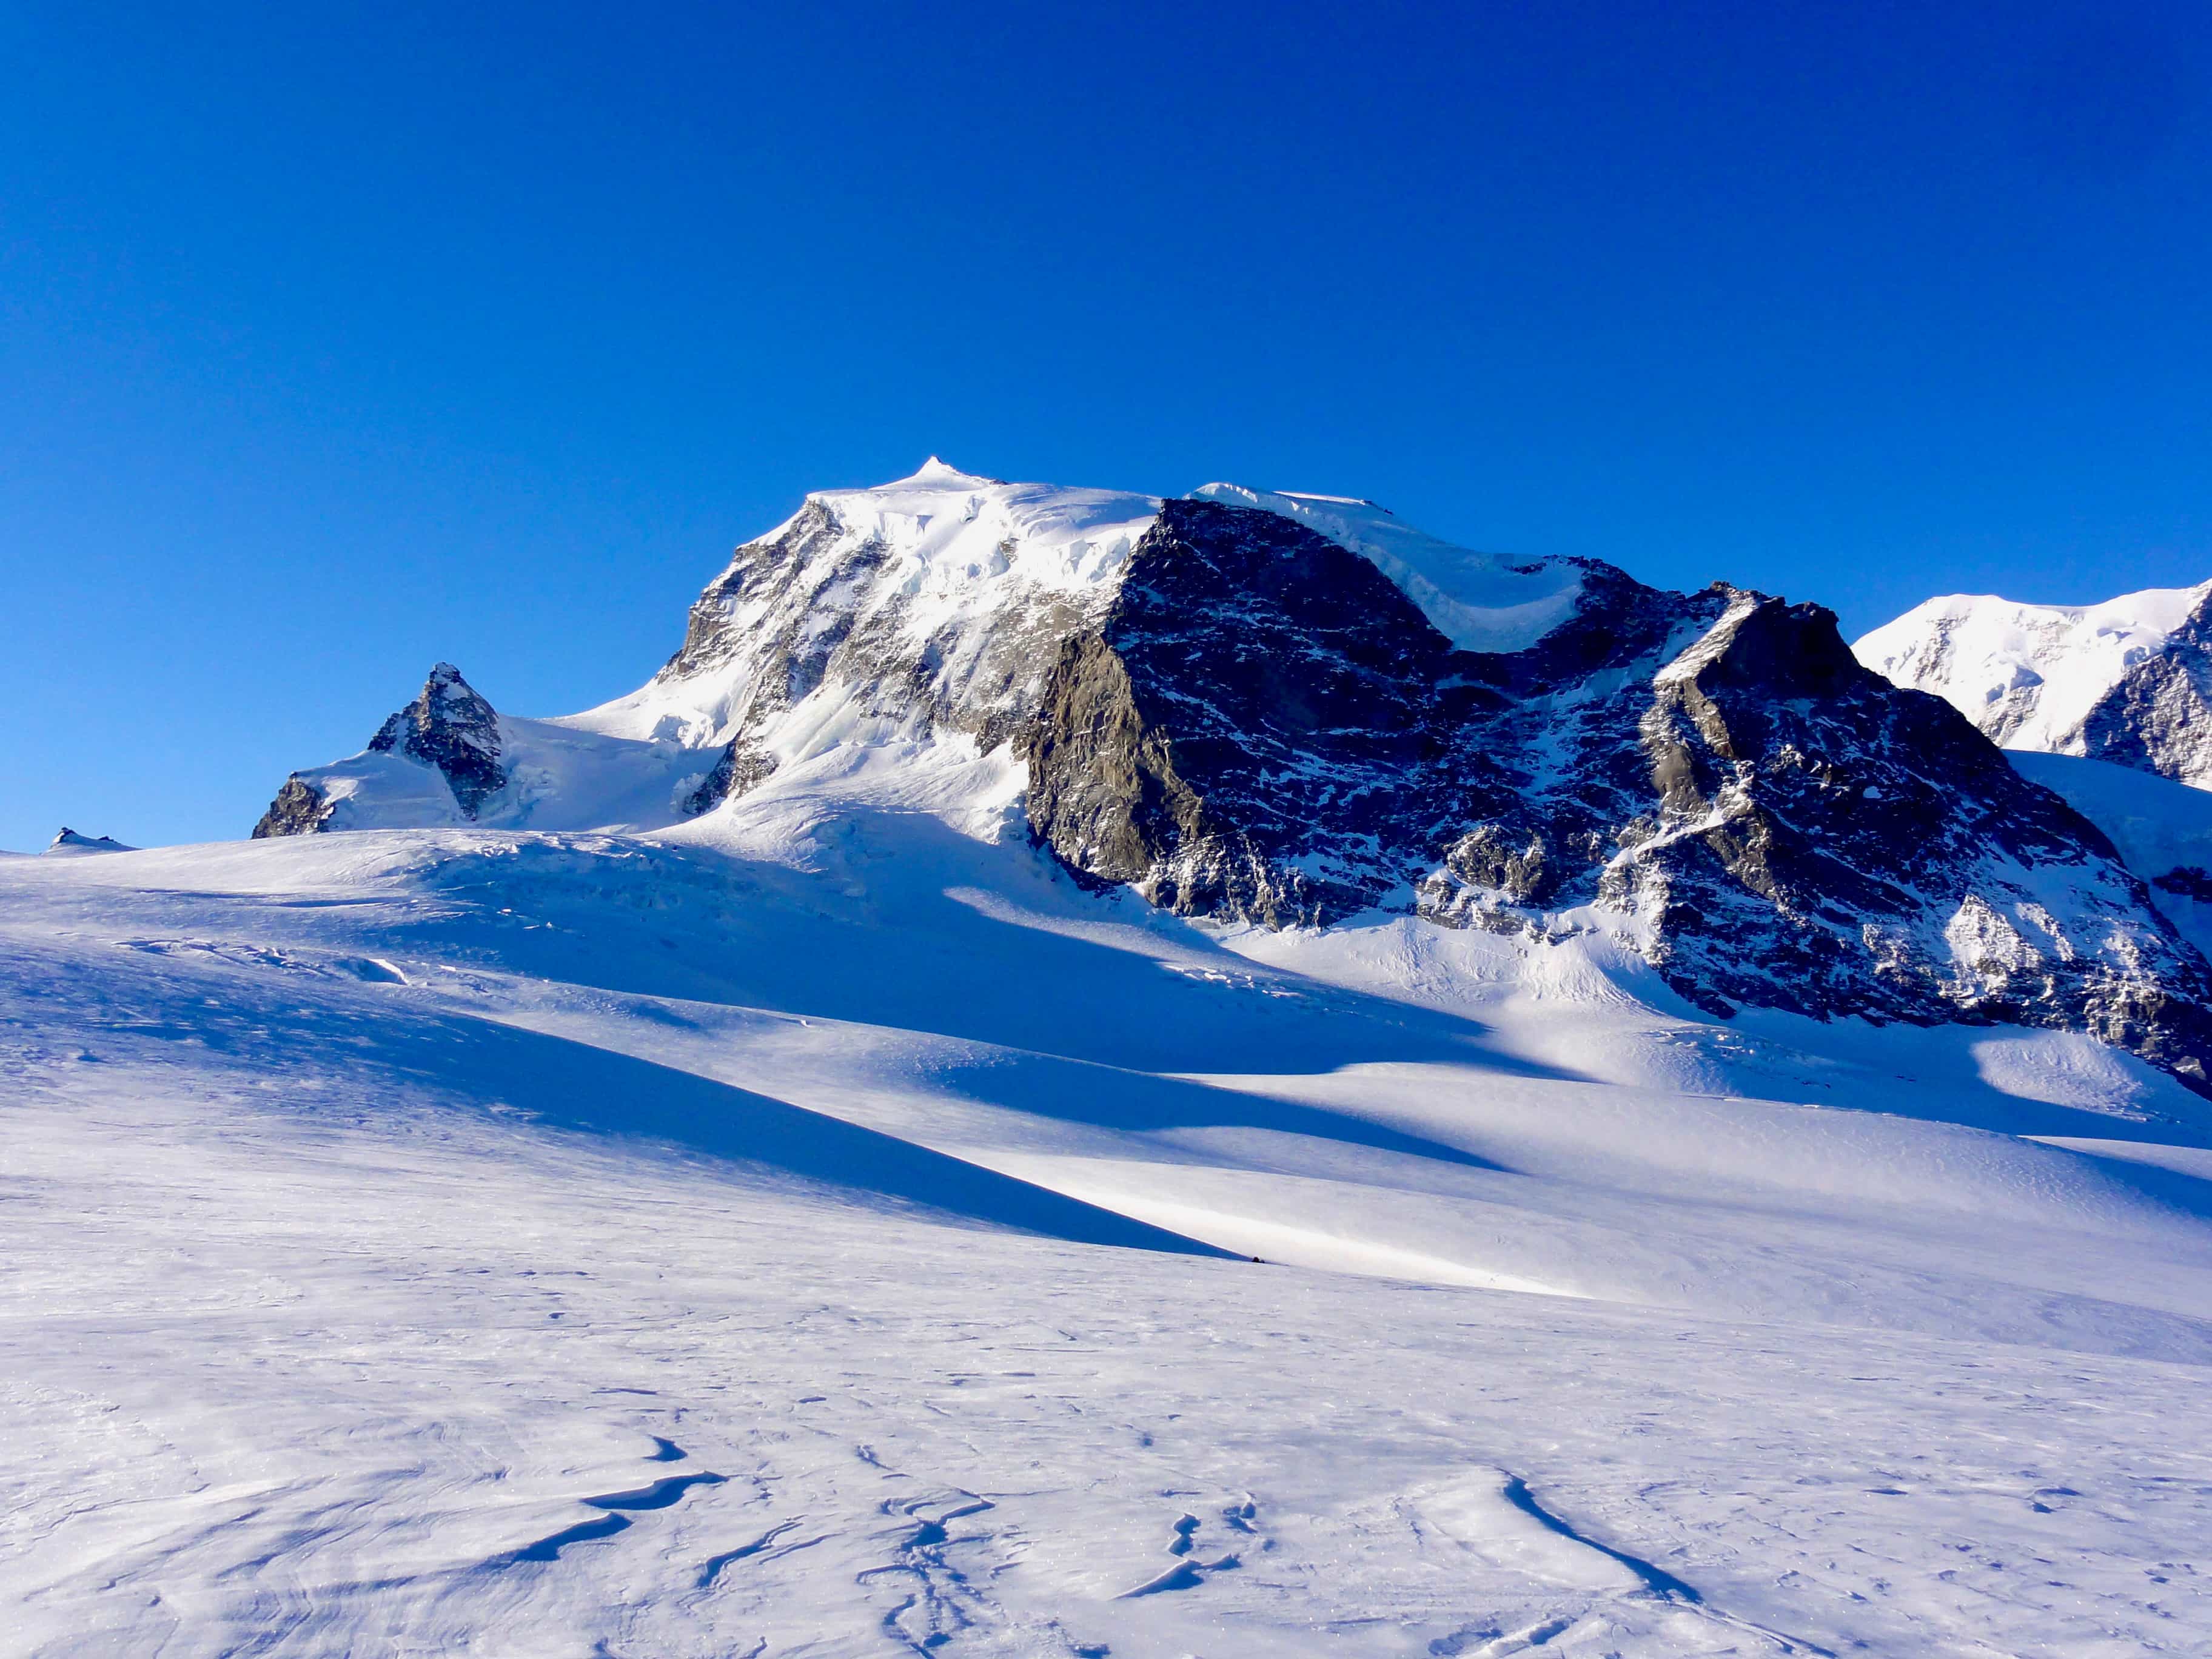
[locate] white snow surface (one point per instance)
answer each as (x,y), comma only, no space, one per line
(821,1230)
(2026,674)
(818,1228)
(1478,601)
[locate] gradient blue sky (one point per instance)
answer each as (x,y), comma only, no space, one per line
(334,342)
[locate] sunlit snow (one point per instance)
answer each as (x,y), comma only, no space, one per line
(827,1234)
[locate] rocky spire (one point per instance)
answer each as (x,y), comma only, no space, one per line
(452,728)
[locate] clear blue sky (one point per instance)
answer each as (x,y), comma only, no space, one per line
(335,342)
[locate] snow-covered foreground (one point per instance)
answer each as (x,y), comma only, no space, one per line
(474,1241)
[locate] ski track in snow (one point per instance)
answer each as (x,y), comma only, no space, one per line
(450,1243)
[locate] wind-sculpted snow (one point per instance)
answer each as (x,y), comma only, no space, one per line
(2129,681)
(1293,710)
(467,1239)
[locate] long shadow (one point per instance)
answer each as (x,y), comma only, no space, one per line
(1657,1579)
(2190,1193)
(1104,1096)
(694,924)
(572,1085)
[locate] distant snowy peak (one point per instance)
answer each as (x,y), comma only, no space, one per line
(69,844)
(434,763)
(1478,601)
(2128,681)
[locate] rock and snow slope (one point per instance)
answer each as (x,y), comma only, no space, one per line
(2129,681)
(1291,709)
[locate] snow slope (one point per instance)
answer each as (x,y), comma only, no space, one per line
(2036,676)
(816,1231)
(2162,828)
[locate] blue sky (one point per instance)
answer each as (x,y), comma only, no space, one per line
(333,342)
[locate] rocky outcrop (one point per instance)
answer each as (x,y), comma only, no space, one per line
(1258,721)
(740,766)
(300,809)
(1825,840)
(450,726)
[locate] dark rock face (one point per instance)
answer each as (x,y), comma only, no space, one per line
(739,769)
(298,809)
(453,728)
(2189,881)
(1825,840)
(1262,727)
(449,727)
(2158,718)
(1258,708)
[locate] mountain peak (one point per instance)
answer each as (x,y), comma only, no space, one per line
(1296,710)
(936,472)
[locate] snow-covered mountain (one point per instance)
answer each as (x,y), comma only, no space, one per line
(2129,681)
(1083,1074)
(1293,710)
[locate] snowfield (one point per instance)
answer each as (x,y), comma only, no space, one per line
(823,1229)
